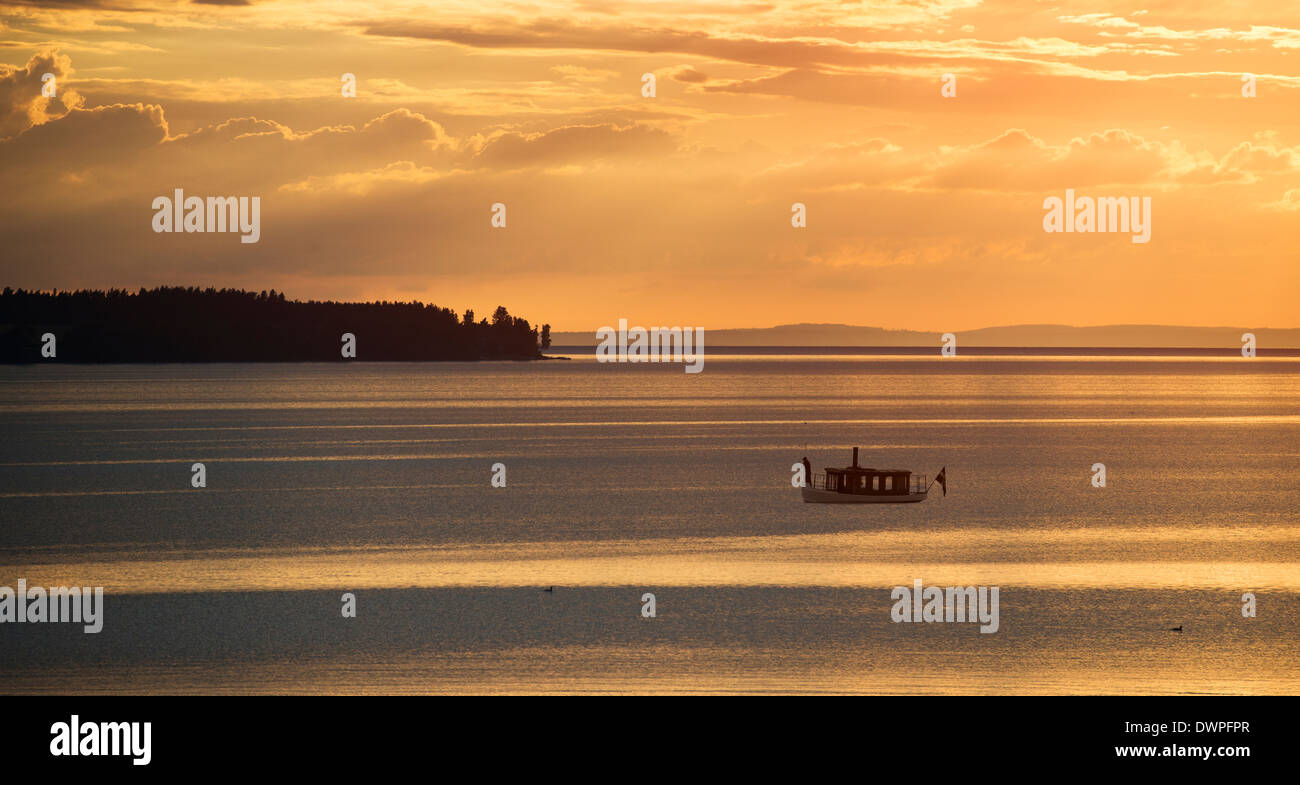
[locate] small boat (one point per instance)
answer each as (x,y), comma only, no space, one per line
(864,485)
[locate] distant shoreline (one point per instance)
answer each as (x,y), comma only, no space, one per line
(1138,337)
(977,351)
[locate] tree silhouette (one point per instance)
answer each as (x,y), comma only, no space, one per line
(188,324)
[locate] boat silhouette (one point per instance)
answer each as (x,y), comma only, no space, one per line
(865,485)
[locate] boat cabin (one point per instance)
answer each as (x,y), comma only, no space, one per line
(868,481)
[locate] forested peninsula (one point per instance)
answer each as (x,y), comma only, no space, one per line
(193,325)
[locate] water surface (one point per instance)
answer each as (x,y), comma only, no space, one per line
(375,479)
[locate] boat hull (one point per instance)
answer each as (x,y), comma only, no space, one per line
(821,496)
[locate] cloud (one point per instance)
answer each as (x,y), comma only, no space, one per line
(612,198)
(1289,201)
(689,75)
(580,143)
(1248,162)
(1017,161)
(103,135)
(398,173)
(581,74)
(1107,21)
(22,104)
(549,34)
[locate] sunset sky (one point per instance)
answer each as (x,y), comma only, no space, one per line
(924,212)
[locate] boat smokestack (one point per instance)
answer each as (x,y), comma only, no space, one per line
(855,457)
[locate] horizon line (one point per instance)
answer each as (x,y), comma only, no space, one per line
(1130,325)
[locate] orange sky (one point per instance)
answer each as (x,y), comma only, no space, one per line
(924,212)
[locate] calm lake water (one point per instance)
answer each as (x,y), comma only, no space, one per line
(623,480)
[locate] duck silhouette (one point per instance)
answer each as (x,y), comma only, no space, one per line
(1179,628)
(549,590)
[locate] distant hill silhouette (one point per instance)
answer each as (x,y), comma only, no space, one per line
(175,324)
(1024,335)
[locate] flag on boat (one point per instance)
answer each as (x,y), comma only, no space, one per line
(942,479)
